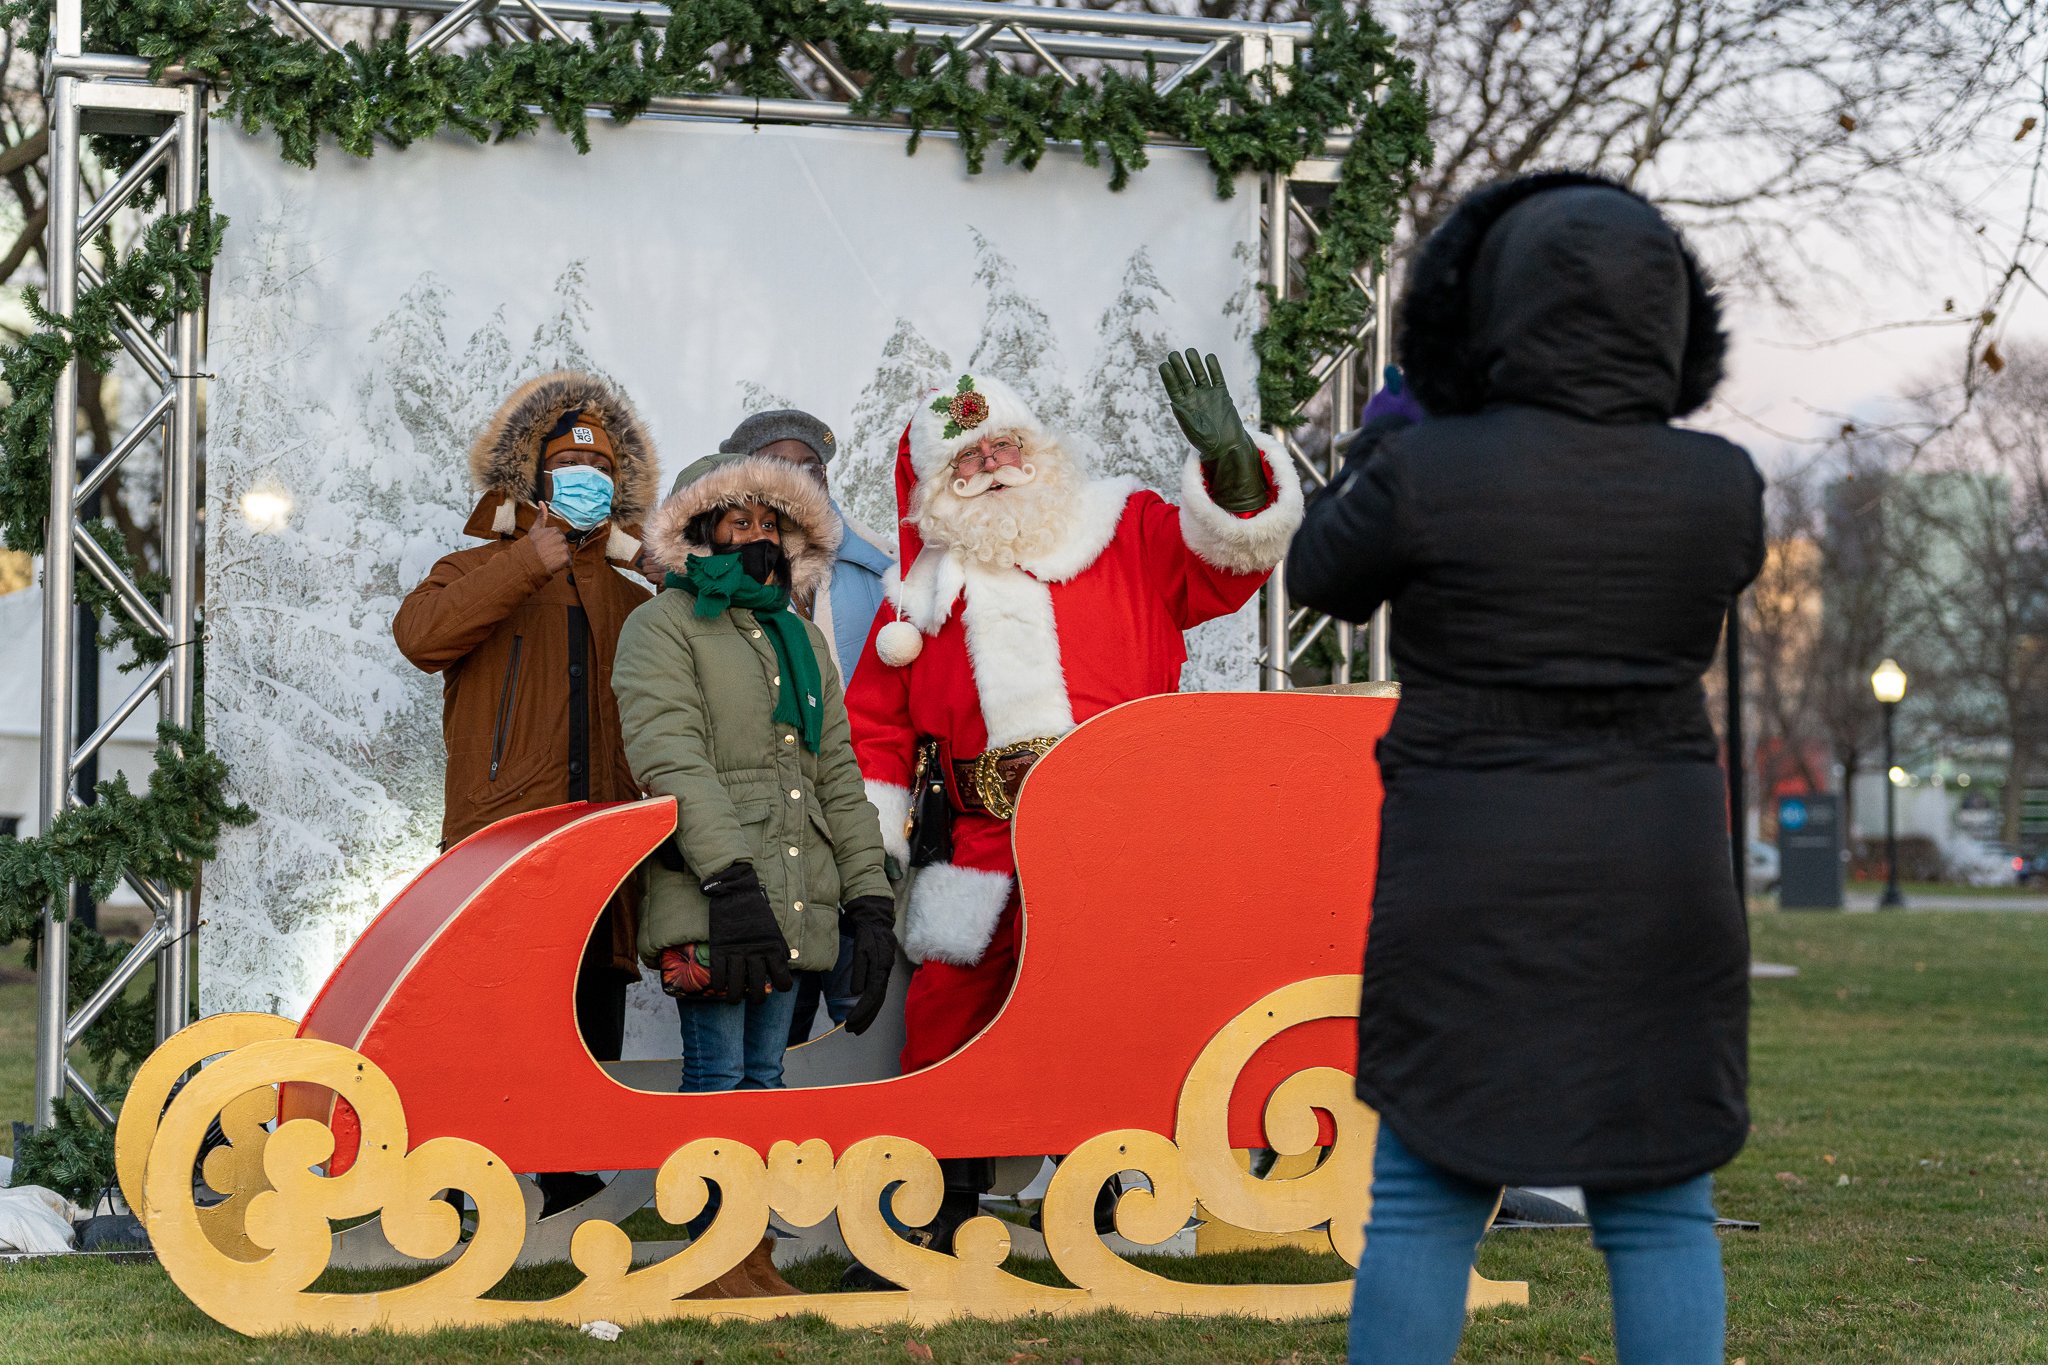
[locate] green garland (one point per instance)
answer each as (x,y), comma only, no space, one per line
(73,1156)
(306,94)
(364,95)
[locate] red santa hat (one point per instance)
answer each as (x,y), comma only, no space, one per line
(943,428)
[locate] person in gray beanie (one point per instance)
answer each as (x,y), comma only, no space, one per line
(844,609)
(845,606)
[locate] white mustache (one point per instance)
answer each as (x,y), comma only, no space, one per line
(974,485)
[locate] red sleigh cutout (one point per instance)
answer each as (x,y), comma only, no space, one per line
(1197,874)
(462,990)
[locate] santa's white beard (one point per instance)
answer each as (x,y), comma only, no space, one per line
(1003,525)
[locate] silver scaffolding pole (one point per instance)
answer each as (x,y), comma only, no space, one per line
(59,567)
(93,95)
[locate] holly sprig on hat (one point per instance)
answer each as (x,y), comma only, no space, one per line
(964,409)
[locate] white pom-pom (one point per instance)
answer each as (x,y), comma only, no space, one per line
(897,643)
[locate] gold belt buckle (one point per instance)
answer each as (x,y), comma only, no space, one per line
(988,777)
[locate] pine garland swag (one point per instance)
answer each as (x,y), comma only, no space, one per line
(73,1156)
(1351,75)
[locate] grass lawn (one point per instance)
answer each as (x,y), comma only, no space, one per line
(1900,1095)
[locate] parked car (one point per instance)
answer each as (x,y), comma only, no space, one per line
(1977,862)
(1763,867)
(2032,871)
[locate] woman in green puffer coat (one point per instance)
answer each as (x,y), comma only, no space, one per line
(729,702)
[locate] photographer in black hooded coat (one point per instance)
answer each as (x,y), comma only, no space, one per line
(1556,977)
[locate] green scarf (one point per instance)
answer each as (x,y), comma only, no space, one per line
(718,582)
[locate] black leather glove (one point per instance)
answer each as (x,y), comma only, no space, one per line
(1208,418)
(749,955)
(873,922)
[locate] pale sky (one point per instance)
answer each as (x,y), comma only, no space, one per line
(1879,327)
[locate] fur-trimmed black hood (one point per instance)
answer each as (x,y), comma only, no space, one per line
(1560,290)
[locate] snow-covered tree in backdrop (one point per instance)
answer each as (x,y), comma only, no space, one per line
(1123,403)
(558,342)
(758,397)
(1017,342)
(299,691)
(864,472)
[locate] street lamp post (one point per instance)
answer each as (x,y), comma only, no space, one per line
(1888,684)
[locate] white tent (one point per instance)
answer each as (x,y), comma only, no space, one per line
(21,689)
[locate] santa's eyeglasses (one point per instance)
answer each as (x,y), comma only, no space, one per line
(1001,450)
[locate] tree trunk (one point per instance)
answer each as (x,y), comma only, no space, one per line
(2013,804)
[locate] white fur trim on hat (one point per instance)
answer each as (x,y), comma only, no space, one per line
(1233,543)
(892,804)
(932,450)
(953,913)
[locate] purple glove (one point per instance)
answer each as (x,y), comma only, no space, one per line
(1393,400)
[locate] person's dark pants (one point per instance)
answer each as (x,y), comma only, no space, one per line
(601,1019)
(601,997)
(834,987)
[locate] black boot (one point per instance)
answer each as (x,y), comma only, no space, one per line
(565,1190)
(967,1179)
(1105,1208)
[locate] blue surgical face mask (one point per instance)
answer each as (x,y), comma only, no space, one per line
(582,496)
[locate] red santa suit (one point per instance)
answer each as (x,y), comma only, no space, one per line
(1003,655)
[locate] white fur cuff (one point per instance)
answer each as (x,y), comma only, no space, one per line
(953,913)
(1236,544)
(892,803)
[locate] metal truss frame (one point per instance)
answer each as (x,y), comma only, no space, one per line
(91,93)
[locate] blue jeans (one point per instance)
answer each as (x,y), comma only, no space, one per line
(1663,1265)
(732,1045)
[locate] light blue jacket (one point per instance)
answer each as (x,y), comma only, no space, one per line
(855,594)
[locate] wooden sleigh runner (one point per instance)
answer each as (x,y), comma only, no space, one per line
(1197,872)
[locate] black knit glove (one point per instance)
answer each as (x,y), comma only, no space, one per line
(873,922)
(749,956)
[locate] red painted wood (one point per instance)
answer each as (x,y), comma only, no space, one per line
(1181,857)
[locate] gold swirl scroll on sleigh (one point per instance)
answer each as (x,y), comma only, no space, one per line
(250,1260)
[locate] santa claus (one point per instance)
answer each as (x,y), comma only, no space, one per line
(1033,596)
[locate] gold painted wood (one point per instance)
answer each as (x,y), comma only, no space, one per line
(258,1281)
(235,1170)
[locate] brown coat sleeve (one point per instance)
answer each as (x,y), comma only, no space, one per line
(457,607)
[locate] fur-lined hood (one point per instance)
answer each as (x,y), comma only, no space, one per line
(810,528)
(1561,290)
(505,457)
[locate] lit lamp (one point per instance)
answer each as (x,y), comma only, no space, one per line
(1888,684)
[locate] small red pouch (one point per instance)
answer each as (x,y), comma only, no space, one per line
(686,971)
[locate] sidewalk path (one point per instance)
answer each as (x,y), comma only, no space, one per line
(1934,900)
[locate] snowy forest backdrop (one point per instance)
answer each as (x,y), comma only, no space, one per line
(369,316)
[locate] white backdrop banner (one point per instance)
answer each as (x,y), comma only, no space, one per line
(368,316)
